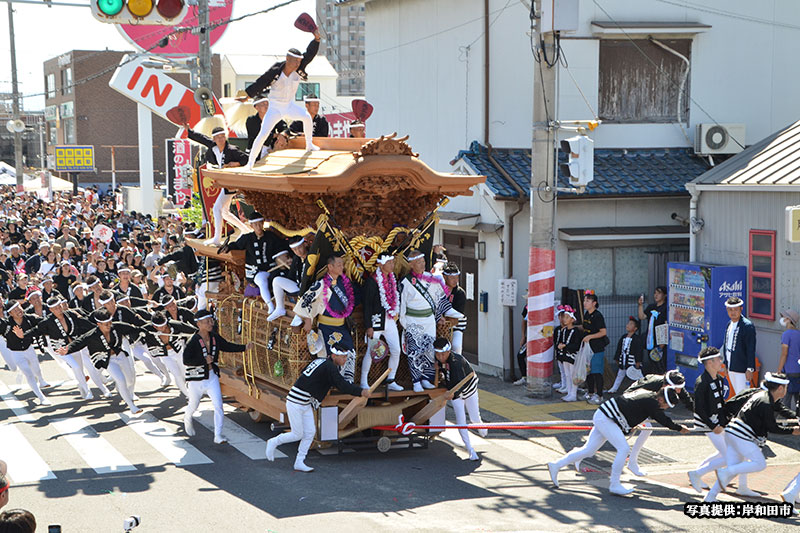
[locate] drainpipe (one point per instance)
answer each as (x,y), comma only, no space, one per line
(486,79)
(508,260)
(685,72)
(695,224)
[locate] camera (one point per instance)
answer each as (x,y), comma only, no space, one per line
(131,522)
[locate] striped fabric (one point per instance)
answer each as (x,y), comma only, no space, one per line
(739,428)
(462,324)
(701,426)
(470,388)
(611,410)
(298,396)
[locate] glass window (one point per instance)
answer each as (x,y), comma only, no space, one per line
(69,130)
(50,85)
(307,89)
(66,81)
(226,90)
(630,271)
(591,268)
(761,280)
(52,133)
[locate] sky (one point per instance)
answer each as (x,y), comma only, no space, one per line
(43,33)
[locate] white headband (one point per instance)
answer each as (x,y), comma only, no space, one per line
(456,273)
(261,100)
(109,299)
(311,99)
(339,352)
(103,321)
(92,284)
(56,304)
(445,348)
(569,313)
(772,379)
(159,324)
(123,269)
(292,54)
(729,306)
(16,304)
(32,293)
(254,220)
(168,301)
(296,244)
(671,384)
(385,259)
(415,257)
(666,397)
(710,356)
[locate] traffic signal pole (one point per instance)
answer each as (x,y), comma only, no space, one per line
(18,167)
(542,262)
(204,50)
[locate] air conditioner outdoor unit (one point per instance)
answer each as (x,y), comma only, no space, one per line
(719,139)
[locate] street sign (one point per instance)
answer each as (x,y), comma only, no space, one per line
(74,158)
(793,223)
(179,170)
(154,89)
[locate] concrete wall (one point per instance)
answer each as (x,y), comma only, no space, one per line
(729,217)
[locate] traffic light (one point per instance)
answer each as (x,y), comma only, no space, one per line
(580,168)
(158,12)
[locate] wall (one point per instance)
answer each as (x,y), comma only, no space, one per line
(729,216)
(424,62)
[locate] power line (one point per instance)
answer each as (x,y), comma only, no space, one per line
(176,31)
(659,68)
(730,14)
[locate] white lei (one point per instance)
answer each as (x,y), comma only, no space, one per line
(394,312)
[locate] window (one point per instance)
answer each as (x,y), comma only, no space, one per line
(226,90)
(307,89)
(69,130)
(761,279)
(52,133)
(632,89)
(50,85)
(66,81)
(621,271)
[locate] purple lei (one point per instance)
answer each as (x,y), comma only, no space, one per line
(430,278)
(348,289)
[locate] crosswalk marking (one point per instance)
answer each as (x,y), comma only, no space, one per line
(14,404)
(98,453)
(250,445)
(164,439)
(24,464)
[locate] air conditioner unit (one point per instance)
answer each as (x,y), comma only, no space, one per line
(719,139)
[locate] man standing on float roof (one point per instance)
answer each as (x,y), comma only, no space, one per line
(283,78)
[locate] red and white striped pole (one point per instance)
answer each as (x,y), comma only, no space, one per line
(541,286)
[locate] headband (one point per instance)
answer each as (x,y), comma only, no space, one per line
(741,303)
(311,99)
(32,293)
(81,286)
(159,324)
(292,54)
(15,304)
(167,301)
(445,348)
(123,269)
(92,284)
(569,313)
(710,356)
(671,384)
(385,259)
(341,352)
(666,397)
(773,379)
(123,297)
(103,321)
(261,100)
(296,244)
(254,220)
(456,273)
(56,304)
(415,257)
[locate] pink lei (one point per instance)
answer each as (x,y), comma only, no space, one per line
(430,278)
(387,288)
(348,289)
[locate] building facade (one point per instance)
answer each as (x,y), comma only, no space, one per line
(82,109)
(32,137)
(343,43)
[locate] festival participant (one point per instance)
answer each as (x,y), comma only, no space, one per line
(656,383)
(168,287)
(613,420)
(749,429)
(175,312)
(91,300)
(288,280)
(220,154)
(567,342)
(739,347)
(423,303)
(200,357)
(629,352)
(172,336)
(208,279)
(594,329)
(358,129)
(19,349)
(331,300)
(305,396)
(656,315)
(454,368)
(709,414)
(791,494)
(283,78)
(458,299)
(381,306)
(104,343)
(124,285)
(321,126)
(262,249)
(253,124)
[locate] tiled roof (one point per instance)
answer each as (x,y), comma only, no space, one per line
(774,160)
(617,172)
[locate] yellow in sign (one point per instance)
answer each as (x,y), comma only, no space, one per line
(793,223)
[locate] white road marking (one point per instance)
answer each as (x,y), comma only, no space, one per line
(15,405)
(252,446)
(98,453)
(24,464)
(176,449)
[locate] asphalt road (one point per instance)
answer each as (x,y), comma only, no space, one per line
(100,467)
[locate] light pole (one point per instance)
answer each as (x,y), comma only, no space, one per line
(15,100)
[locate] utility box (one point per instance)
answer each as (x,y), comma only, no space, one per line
(559,15)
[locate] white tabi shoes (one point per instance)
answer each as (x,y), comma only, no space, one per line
(300,466)
(277,313)
(272,444)
(619,489)
(553,468)
(427,384)
(394,386)
(188,426)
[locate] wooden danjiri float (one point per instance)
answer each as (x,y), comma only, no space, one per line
(368,196)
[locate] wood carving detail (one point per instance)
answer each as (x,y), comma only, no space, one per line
(386,145)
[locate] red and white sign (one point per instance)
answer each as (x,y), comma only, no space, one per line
(102,233)
(154,89)
(179,170)
(340,123)
(146,36)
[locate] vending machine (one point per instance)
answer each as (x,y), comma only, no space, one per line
(697,314)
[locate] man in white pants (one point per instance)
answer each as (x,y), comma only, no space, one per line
(19,348)
(381,305)
(288,281)
(613,420)
(200,357)
(791,494)
(170,337)
(305,396)
(283,79)
(739,347)
(455,368)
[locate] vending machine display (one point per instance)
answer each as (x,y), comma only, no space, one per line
(697,315)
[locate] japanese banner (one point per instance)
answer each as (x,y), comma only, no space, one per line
(208,195)
(179,170)
(340,123)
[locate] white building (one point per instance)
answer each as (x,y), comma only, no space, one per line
(241,70)
(651,70)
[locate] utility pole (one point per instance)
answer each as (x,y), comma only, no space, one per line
(15,100)
(541,268)
(204,50)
